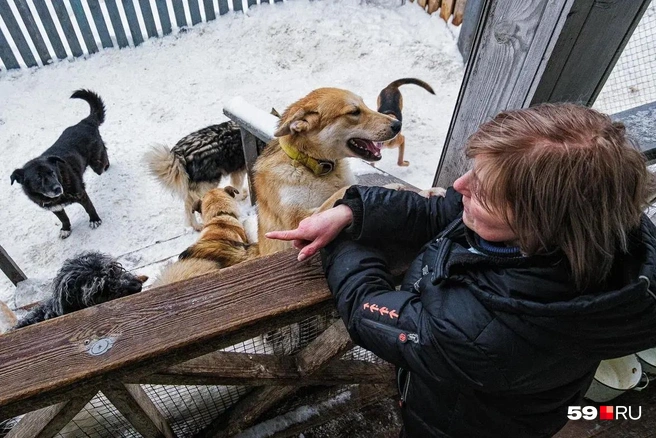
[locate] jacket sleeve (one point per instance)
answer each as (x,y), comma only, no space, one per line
(394,324)
(399,216)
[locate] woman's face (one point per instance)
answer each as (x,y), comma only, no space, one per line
(491,226)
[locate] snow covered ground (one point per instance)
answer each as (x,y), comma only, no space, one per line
(169,87)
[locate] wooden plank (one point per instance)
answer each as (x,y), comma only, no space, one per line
(326,407)
(67,27)
(133,22)
(249,146)
(49,27)
(178,10)
(85,27)
(17,34)
(246,411)
(6,53)
(446,10)
(433,6)
(252,3)
(149,18)
(223,7)
(163,13)
(101,26)
(33,30)
(422,3)
(194,11)
(459,12)
(332,343)
(210,14)
(138,409)
(243,369)
(237,5)
(157,328)
(117,25)
(587,49)
(7,264)
(510,49)
(47,422)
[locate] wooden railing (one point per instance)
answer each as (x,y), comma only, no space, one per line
(170,335)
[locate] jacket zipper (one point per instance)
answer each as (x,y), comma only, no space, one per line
(400,335)
(403,391)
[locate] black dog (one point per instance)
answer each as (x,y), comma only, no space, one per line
(54,179)
(83,281)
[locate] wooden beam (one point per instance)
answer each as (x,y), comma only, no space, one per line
(138,409)
(156,328)
(514,40)
(446,10)
(249,409)
(227,368)
(326,407)
(459,12)
(249,145)
(592,39)
(10,268)
(149,331)
(47,422)
(332,343)
(246,411)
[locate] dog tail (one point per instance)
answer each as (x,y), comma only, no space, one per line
(397,83)
(168,169)
(96,103)
(224,252)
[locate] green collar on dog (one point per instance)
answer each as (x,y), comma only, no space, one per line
(318,167)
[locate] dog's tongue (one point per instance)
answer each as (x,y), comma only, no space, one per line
(373,147)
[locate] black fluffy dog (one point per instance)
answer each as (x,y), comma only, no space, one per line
(54,179)
(85,280)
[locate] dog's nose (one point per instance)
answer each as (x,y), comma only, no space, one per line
(135,285)
(396,126)
(57,190)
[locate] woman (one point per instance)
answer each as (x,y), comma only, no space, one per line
(535,266)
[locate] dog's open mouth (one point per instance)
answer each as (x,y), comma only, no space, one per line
(367,149)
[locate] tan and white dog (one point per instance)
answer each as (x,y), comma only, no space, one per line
(222,240)
(304,169)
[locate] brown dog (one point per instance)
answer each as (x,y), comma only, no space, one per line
(222,241)
(390,102)
(302,169)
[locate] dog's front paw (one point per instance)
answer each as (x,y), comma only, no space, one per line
(403,163)
(95,224)
(433,191)
(63,234)
(394,186)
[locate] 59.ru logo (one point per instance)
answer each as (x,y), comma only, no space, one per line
(604,412)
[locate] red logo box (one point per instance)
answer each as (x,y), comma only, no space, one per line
(606,413)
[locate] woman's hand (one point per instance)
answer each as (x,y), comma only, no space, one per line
(316,231)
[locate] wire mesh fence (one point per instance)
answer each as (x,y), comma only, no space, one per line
(191,408)
(632,81)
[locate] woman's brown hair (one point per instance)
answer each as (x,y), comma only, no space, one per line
(566,178)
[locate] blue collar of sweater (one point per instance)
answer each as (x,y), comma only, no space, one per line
(496,248)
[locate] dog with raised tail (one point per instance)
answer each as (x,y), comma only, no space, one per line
(83,281)
(54,179)
(390,102)
(198,162)
(222,242)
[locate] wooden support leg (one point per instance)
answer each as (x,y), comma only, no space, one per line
(248,143)
(138,409)
(47,422)
(328,346)
(10,268)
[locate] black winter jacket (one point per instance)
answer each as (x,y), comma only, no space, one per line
(486,345)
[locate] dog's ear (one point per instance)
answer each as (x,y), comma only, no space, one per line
(275,112)
(53,159)
(231,191)
(300,121)
(198,206)
(18,175)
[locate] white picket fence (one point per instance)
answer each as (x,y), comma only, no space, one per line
(34,33)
